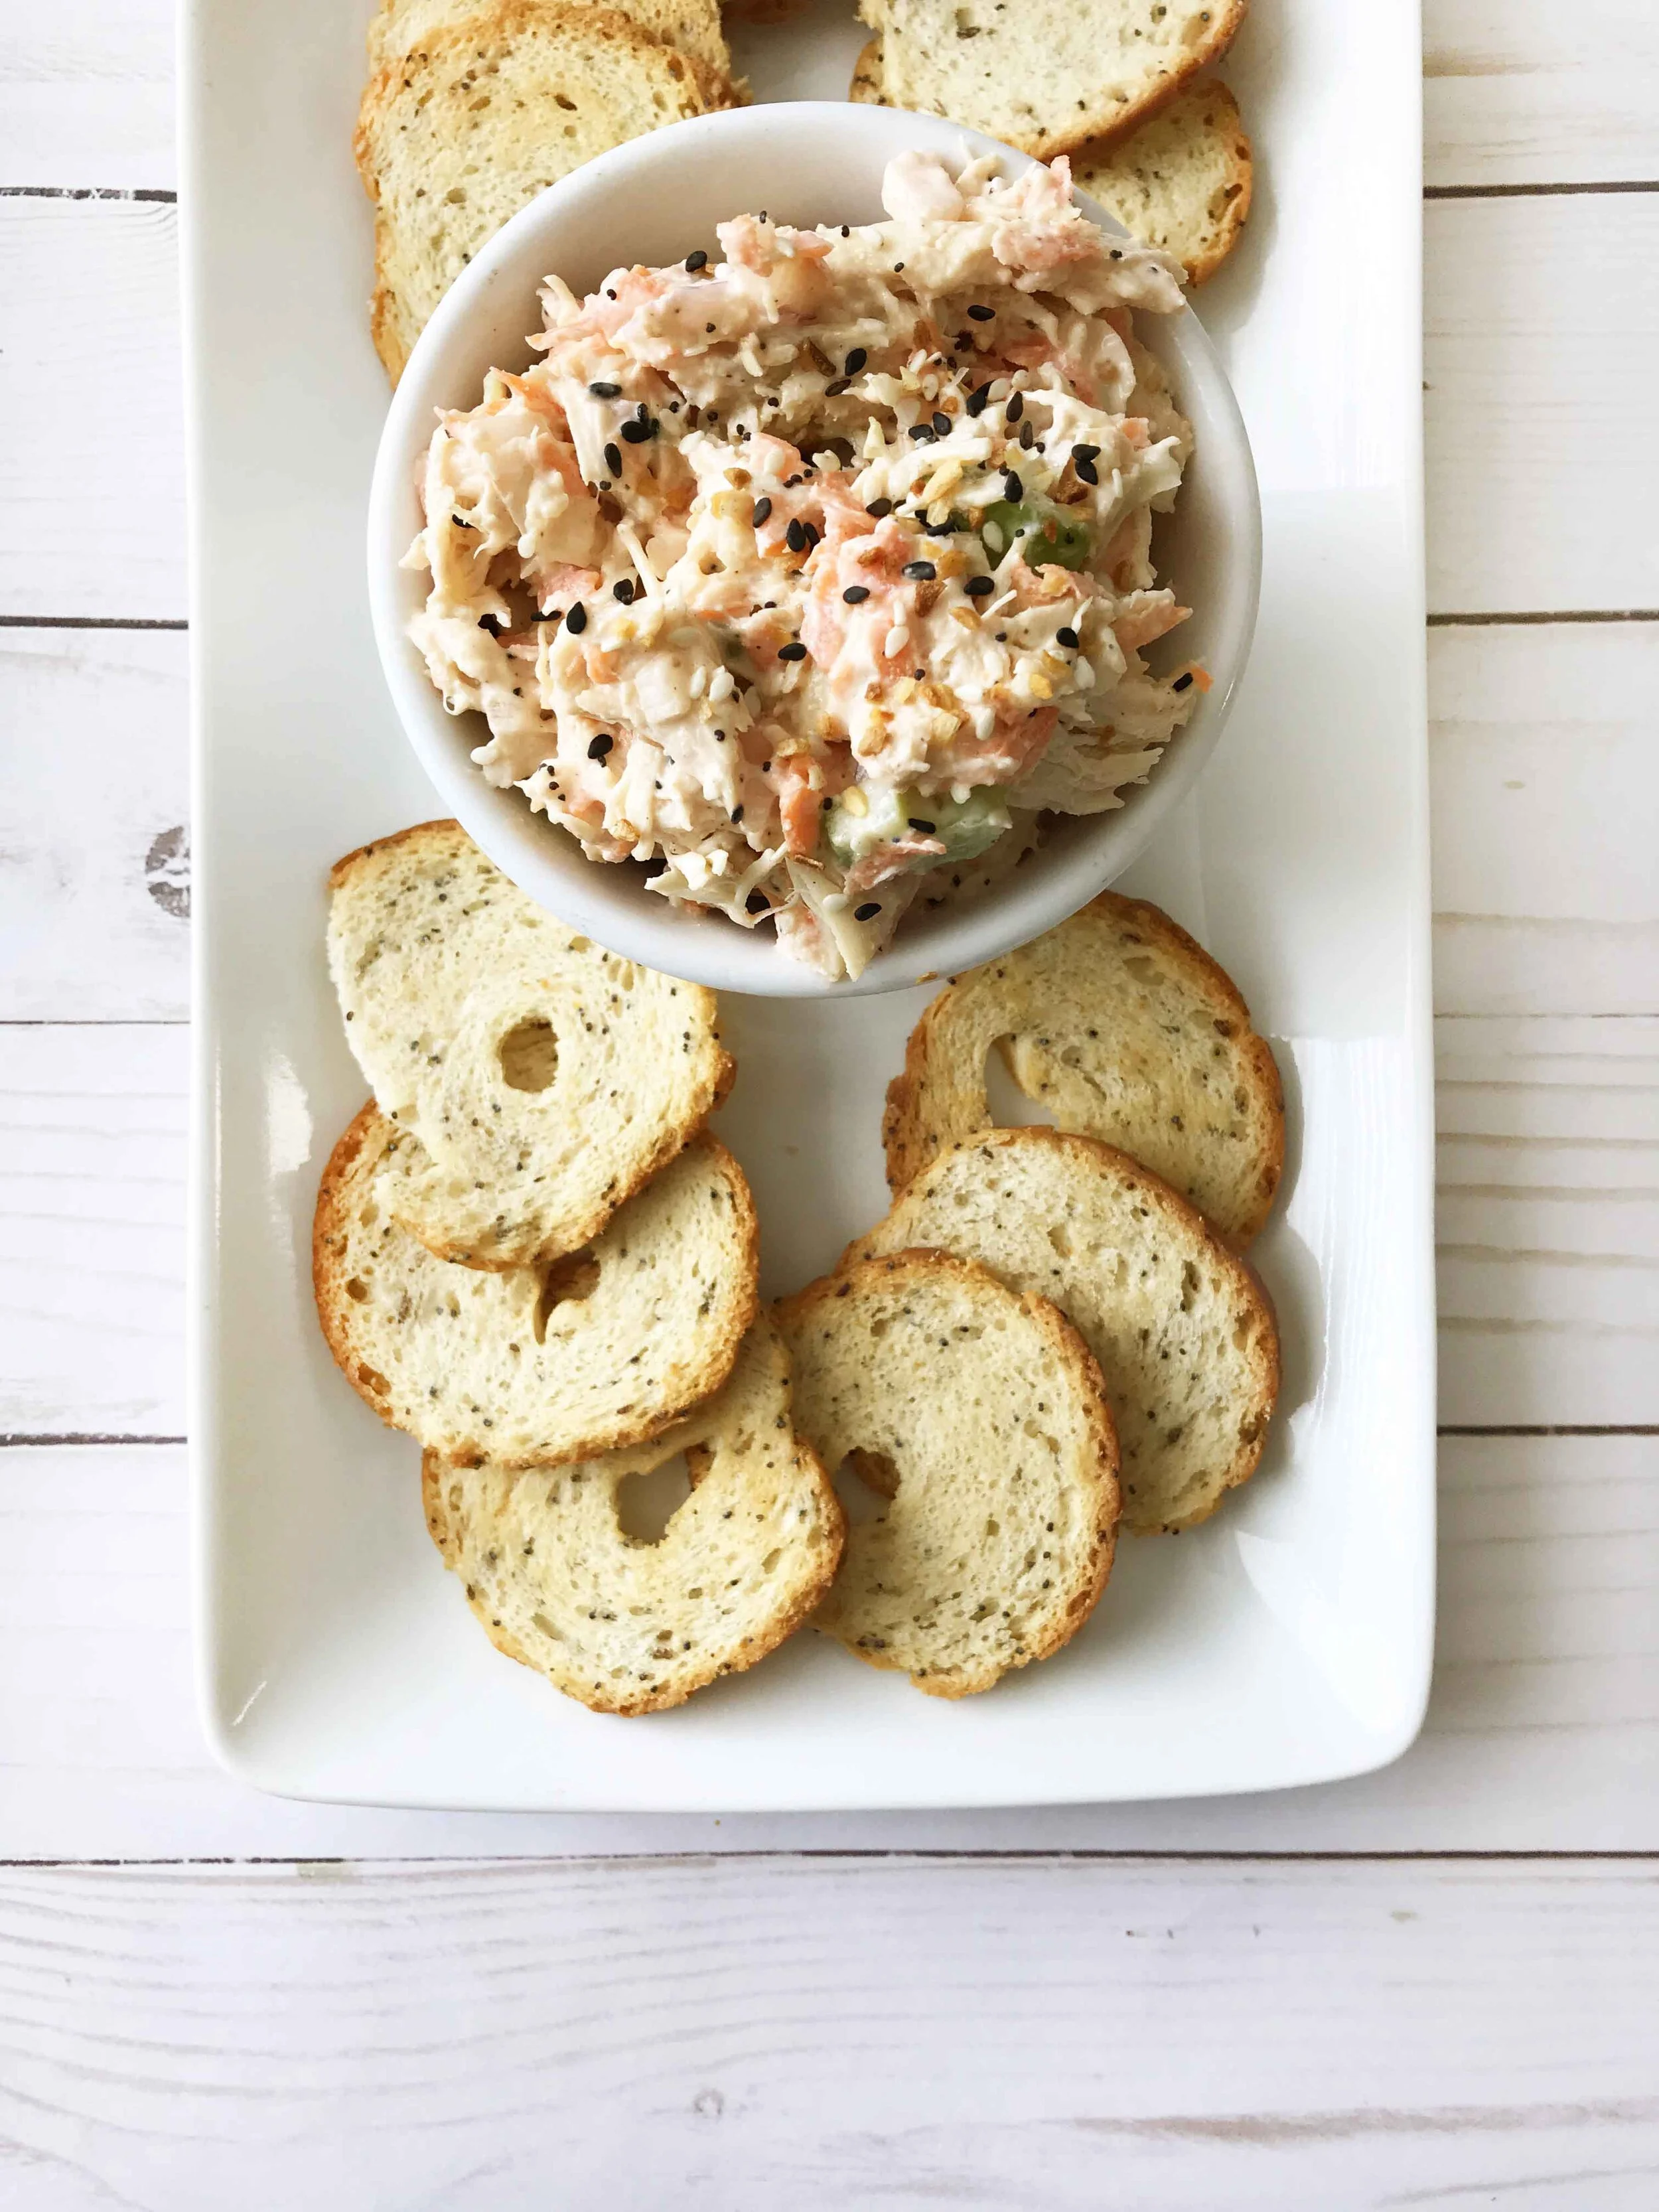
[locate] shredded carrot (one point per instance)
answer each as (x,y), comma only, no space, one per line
(1202,677)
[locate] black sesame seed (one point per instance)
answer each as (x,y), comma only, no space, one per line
(879,507)
(1015,408)
(925,827)
(941,424)
(923,433)
(855,361)
(763,509)
(868,911)
(599,747)
(855,594)
(980,587)
(575,619)
(1181,682)
(796,652)
(605,390)
(898,269)
(1086,471)
(636,433)
(613,460)
(1027,434)
(795,536)
(1012,489)
(923,571)
(983,314)
(757,902)
(623,589)
(609,293)
(834,391)
(1067,637)
(695,261)
(976,400)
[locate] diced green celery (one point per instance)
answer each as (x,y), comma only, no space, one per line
(1030,521)
(965,827)
(850,834)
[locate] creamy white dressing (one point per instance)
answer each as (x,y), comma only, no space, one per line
(862,511)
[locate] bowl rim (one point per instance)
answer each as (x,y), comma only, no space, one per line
(603,902)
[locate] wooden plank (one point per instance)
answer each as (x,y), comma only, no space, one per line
(911,2032)
(91,479)
(1548,1225)
(92,1193)
(1525,92)
(1540,444)
(1515,92)
(1549,1221)
(1543,1731)
(1544,783)
(1543,453)
(94,886)
(86,93)
(1542,889)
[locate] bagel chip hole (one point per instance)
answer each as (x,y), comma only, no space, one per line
(571,1277)
(528,1054)
(866,1482)
(646,1504)
(1007,1104)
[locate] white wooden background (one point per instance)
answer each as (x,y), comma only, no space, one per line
(1432,1987)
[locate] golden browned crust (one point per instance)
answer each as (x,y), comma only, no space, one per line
(1185,1219)
(705,87)
(1228,19)
(349,861)
(672,1142)
(738,1658)
(709,1096)
(917,1123)
(1213,114)
(924,1263)
(355,1157)
(866,87)
(1106,126)
(366,1132)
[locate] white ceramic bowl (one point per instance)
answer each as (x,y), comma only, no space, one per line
(806,162)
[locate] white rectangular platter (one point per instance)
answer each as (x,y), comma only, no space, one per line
(1286,1642)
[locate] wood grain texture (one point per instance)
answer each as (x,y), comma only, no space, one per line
(1542,445)
(1543,452)
(1515,92)
(92,1194)
(1525,92)
(1543,1730)
(1548,1135)
(1547,1227)
(1545,795)
(93,493)
(94,859)
(717,2034)
(86,94)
